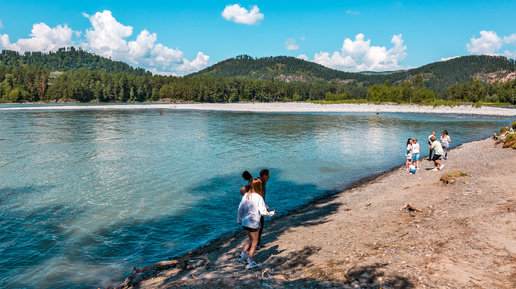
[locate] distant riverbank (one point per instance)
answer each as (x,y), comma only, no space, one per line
(277,107)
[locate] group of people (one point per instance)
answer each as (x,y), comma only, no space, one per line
(439,149)
(251,213)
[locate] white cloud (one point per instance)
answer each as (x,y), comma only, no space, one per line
(302,56)
(488,43)
(302,38)
(510,39)
(108,38)
(1,26)
(353,12)
(449,58)
(240,15)
(359,55)
(291,45)
(43,38)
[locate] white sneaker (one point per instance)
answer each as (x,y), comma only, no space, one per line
(251,265)
(434,169)
(241,260)
(442,166)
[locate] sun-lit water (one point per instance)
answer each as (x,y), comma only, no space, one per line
(86,195)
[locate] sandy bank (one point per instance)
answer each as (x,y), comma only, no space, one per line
(463,237)
(283,107)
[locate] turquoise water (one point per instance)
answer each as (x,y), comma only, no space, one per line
(86,195)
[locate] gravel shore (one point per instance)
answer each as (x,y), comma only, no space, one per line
(456,235)
(282,107)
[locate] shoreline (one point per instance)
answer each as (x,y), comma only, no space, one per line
(326,218)
(277,107)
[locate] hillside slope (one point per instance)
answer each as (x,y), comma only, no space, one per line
(65,59)
(438,76)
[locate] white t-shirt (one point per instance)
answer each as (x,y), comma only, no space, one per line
(415,148)
(445,140)
(250,210)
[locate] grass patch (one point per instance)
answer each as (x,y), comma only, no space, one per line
(451,177)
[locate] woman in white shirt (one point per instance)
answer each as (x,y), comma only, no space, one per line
(416,152)
(445,143)
(251,208)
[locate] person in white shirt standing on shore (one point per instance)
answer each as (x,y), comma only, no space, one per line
(445,143)
(416,152)
(251,209)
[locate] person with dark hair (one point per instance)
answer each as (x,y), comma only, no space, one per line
(408,154)
(247,176)
(264,177)
(252,208)
(445,143)
(430,145)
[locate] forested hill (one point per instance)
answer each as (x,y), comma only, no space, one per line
(438,76)
(65,59)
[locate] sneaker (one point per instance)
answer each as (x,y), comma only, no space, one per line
(417,168)
(259,246)
(241,260)
(251,265)
(410,173)
(434,169)
(442,166)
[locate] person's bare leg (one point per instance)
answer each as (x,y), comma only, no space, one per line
(254,242)
(247,244)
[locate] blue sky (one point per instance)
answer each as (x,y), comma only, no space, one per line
(180,37)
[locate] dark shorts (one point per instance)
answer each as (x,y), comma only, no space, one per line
(250,229)
(436,157)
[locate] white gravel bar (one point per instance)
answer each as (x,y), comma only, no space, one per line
(281,107)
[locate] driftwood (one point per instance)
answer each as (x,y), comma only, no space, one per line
(132,279)
(411,207)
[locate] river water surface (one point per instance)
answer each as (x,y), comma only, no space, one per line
(85,195)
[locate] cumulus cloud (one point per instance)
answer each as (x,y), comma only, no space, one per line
(359,55)
(43,38)
(449,58)
(108,38)
(303,56)
(240,15)
(490,43)
(291,44)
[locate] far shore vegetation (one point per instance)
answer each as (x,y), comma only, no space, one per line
(85,77)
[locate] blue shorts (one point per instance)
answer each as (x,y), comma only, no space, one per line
(412,171)
(415,156)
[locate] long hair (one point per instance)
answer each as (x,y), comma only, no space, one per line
(256,187)
(445,133)
(408,141)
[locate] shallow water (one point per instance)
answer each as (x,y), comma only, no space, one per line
(86,195)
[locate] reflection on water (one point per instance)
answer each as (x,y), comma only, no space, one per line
(86,195)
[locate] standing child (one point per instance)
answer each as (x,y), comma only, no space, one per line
(251,209)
